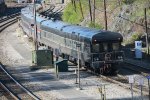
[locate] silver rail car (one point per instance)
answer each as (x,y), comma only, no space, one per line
(100,50)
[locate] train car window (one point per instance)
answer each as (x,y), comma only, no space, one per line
(61,40)
(95,48)
(53,38)
(110,48)
(48,35)
(71,43)
(44,34)
(115,46)
(56,38)
(87,47)
(105,45)
(81,47)
(65,42)
(74,44)
(101,48)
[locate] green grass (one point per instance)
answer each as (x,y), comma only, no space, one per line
(73,15)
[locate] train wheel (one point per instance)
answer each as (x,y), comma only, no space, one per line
(114,69)
(108,68)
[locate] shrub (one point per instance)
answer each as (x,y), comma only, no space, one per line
(72,16)
(97,26)
(136,36)
(128,1)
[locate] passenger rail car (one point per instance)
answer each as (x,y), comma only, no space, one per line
(100,50)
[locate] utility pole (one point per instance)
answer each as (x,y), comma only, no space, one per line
(81,9)
(90,10)
(35,27)
(94,13)
(149,87)
(146,30)
(79,46)
(34,63)
(105,15)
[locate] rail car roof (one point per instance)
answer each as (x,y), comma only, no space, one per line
(86,32)
(107,36)
(94,34)
(58,25)
(68,28)
(25,12)
(30,15)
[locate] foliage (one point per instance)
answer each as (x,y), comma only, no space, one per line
(97,26)
(135,36)
(128,1)
(71,14)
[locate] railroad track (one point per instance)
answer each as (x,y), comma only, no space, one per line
(9,17)
(13,87)
(9,20)
(122,80)
(4,92)
(138,68)
(53,12)
(48,11)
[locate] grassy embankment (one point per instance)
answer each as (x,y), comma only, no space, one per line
(74,16)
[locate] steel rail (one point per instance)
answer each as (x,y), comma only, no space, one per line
(10,92)
(135,69)
(5,25)
(136,65)
(8,17)
(8,21)
(118,82)
(22,87)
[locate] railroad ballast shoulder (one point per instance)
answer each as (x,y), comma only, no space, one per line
(100,50)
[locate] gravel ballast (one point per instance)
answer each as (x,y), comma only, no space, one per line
(15,52)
